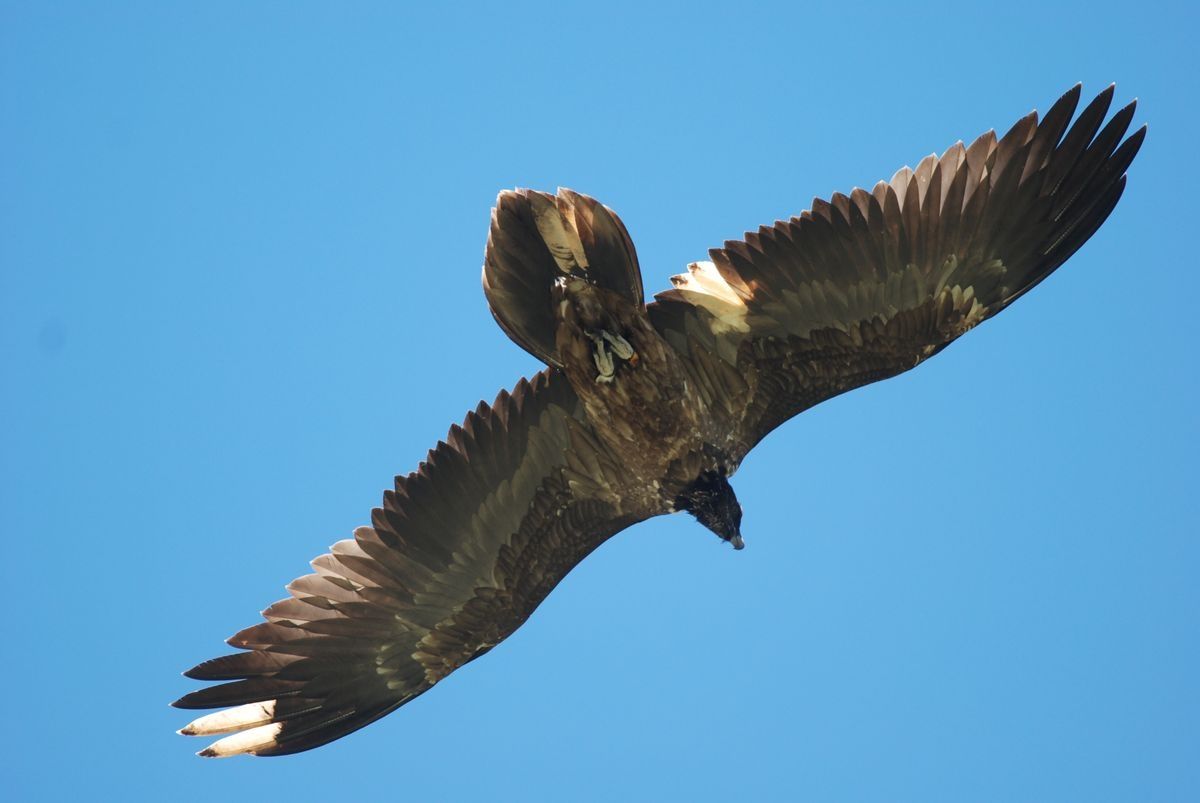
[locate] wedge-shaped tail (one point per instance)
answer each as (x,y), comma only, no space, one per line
(536,239)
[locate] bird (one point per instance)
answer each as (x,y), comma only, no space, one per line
(645,409)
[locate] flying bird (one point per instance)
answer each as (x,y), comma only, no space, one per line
(647,409)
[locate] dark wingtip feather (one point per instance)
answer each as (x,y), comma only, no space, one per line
(1102,101)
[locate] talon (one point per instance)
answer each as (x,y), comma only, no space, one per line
(604,362)
(606,346)
(620,346)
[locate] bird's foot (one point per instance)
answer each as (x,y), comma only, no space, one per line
(607,345)
(603,359)
(619,345)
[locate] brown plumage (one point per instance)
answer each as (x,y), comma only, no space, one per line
(646,410)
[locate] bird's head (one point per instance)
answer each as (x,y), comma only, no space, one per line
(711,500)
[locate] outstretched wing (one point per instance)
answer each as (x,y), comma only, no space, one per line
(461,553)
(866,286)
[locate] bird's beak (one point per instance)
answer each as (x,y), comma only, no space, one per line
(737,541)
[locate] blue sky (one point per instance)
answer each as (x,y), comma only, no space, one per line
(239,290)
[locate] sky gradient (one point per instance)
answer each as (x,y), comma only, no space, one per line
(239,290)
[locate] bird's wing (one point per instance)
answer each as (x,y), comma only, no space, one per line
(459,555)
(866,286)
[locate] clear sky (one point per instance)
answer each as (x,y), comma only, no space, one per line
(239,290)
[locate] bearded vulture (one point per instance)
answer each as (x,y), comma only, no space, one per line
(646,409)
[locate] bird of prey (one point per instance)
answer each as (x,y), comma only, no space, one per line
(646,409)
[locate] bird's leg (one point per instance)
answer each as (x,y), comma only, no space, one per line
(620,346)
(604,360)
(607,345)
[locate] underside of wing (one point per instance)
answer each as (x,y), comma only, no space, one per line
(868,285)
(459,555)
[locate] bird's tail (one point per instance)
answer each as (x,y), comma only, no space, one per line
(536,239)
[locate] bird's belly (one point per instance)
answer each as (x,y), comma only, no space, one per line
(639,403)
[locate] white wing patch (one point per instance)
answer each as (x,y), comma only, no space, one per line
(249,741)
(232,719)
(255,730)
(704,286)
